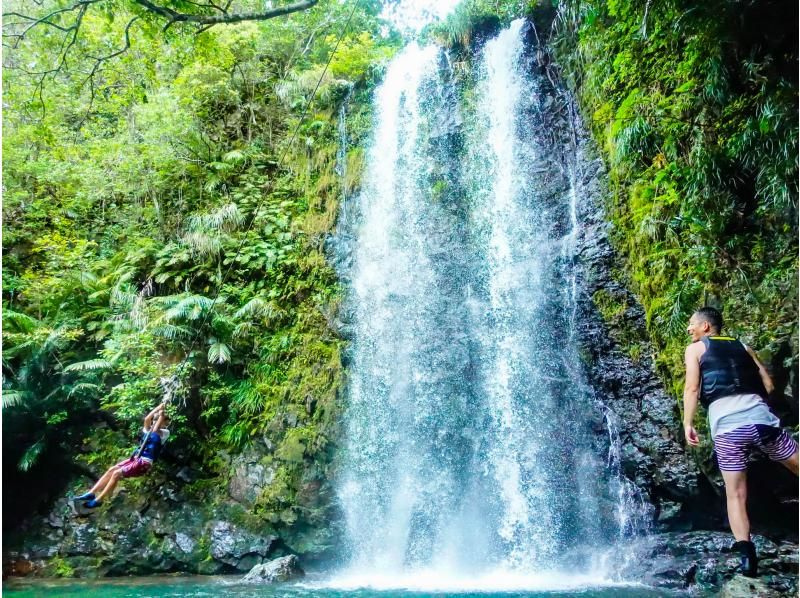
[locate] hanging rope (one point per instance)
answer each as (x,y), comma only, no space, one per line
(185,362)
(303,115)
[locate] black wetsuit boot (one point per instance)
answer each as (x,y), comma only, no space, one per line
(749,561)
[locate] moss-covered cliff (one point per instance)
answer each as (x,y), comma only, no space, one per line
(694,105)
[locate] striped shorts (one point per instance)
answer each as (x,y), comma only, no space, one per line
(734,447)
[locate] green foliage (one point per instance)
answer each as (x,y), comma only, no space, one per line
(42,401)
(614,308)
(471,18)
(696,115)
(174,225)
(59,567)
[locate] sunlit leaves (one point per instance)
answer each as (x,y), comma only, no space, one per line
(218,352)
(88,365)
(13,398)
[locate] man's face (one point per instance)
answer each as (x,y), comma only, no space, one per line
(697,328)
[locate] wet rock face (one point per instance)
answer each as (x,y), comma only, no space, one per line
(705,561)
(282,569)
(619,365)
(236,547)
(158,529)
(249,477)
(652,454)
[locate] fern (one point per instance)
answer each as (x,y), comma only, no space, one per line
(83,387)
(202,244)
(89,365)
(258,308)
(31,455)
(170,331)
(218,352)
(14,398)
(227,217)
(18,321)
(189,308)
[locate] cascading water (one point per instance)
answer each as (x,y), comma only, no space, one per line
(474,446)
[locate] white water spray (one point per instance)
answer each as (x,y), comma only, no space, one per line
(472,453)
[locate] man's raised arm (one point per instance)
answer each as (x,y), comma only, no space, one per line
(762,371)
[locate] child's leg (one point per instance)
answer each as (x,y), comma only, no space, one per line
(116,474)
(104,479)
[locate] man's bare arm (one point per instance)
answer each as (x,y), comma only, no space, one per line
(762,371)
(691,394)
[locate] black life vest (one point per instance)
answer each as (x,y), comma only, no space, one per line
(152,446)
(726,368)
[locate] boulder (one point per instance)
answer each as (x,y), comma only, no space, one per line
(705,560)
(237,548)
(746,587)
(285,568)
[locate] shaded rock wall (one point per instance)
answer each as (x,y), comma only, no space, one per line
(168,522)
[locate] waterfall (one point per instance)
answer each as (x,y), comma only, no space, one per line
(474,446)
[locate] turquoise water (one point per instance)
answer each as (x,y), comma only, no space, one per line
(196,587)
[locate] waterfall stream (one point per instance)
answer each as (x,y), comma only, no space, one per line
(474,446)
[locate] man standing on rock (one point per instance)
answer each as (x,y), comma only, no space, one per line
(732,384)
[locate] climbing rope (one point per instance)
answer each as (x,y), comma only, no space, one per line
(170,385)
(170,391)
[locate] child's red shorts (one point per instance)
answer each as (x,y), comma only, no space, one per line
(134,467)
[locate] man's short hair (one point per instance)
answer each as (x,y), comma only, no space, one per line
(710,315)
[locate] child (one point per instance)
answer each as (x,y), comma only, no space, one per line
(153,436)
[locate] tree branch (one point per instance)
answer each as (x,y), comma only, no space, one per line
(98,60)
(218,15)
(174,16)
(45,20)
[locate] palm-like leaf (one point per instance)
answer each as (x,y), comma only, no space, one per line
(170,331)
(13,397)
(189,308)
(203,244)
(83,387)
(31,455)
(218,352)
(227,217)
(89,365)
(258,307)
(18,321)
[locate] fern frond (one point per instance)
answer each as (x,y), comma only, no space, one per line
(227,218)
(83,386)
(12,398)
(170,331)
(89,365)
(31,455)
(19,321)
(189,308)
(202,244)
(219,352)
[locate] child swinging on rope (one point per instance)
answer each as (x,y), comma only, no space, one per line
(153,435)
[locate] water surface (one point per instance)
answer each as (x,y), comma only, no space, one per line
(197,587)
